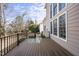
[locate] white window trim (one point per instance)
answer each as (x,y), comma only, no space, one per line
(51,5)
(62,9)
(53,26)
(65,24)
(50,27)
(57,36)
(57,8)
(57,26)
(52,10)
(59,13)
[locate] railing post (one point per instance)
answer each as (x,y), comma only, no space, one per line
(1,46)
(17,39)
(7,44)
(4,45)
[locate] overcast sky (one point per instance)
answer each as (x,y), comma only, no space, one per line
(34,11)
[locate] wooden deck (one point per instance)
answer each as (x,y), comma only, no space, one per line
(38,47)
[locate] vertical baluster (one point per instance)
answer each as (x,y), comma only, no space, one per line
(17,39)
(10,42)
(13,40)
(7,44)
(4,45)
(1,46)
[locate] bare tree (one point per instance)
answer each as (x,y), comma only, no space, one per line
(2,19)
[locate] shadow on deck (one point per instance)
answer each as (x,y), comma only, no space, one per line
(38,47)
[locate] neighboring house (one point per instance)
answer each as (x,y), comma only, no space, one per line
(62,20)
(41,27)
(46,21)
(19,23)
(45,27)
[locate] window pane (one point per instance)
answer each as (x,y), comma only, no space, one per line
(55,26)
(54,9)
(61,6)
(51,27)
(62,26)
(51,11)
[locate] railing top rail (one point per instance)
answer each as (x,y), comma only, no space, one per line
(10,35)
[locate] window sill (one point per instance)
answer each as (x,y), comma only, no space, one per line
(65,40)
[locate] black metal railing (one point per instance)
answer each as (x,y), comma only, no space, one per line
(9,42)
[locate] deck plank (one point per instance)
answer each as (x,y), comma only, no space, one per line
(39,47)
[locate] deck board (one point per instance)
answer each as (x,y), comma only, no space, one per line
(39,47)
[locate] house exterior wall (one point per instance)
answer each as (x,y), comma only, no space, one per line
(45,28)
(46,22)
(41,27)
(19,23)
(73,28)
(72,41)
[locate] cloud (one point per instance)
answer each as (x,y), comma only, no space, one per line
(37,13)
(34,11)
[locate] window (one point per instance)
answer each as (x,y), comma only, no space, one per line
(54,9)
(55,27)
(51,11)
(61,6)
(51,27)
(62,26)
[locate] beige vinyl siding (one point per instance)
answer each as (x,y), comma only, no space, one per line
(73,28)
(72,43)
